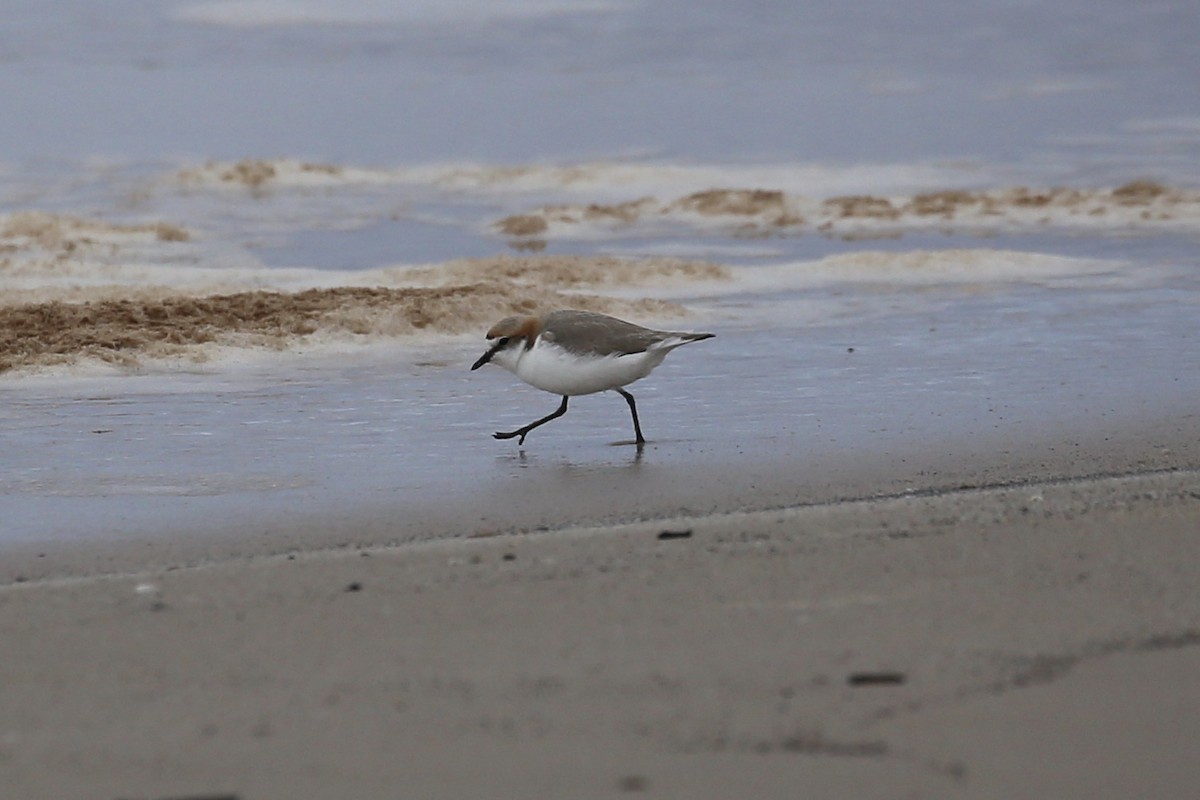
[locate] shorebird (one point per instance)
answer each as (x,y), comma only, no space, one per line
(571,353)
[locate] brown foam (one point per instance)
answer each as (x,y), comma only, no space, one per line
(567,272)
(766,210)
(523,225)
(626,212)
(253,173)
(58,232)
(125,332)
(1140,193)
(738,202)
(861,206)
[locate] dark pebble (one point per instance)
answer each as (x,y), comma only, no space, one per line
(675,534)
(876,678)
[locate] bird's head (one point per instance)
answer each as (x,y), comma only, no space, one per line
(509,337)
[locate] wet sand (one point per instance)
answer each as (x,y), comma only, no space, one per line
(1019,624)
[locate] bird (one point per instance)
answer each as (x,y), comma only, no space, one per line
(572,353)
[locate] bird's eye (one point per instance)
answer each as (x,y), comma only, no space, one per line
(503,341)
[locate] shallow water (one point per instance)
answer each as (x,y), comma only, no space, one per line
(906,370)
(343,149)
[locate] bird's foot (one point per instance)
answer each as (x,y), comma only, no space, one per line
(511,435)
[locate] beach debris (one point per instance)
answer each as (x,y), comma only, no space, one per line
(876,678)
(354,587)
(683,534)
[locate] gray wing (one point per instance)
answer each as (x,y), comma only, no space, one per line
(588,333)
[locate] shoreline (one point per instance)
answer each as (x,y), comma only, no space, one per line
(547,493)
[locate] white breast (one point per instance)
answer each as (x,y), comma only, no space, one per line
(550,368)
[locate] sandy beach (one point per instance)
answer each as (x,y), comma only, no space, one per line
(1036,635)
(920,520)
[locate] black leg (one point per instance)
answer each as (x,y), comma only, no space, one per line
(637,428)
(562,409)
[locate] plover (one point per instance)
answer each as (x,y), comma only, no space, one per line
(578,352)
